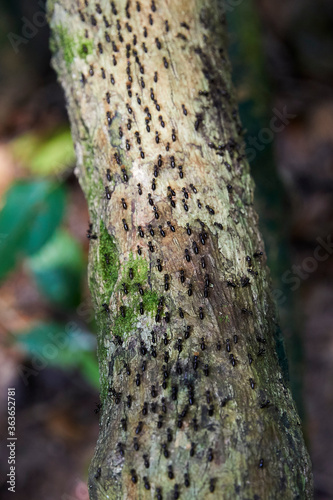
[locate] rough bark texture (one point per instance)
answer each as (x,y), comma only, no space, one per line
(195,401)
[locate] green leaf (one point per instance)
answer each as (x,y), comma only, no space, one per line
(31,213)
(66,346)
(45,155)
(88,366)
(58,269)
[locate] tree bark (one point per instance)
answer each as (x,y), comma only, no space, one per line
(195,401)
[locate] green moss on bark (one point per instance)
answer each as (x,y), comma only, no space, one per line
(131,301)
(108,262)
(72,47)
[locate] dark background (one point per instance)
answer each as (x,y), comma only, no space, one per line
(281,51)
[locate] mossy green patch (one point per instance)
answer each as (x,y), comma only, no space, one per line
(66,43)
(71,46)
(84,47)
(139,266)
(150,302)
(93,185)
(104,384)
(102,283)
(125,325)
(108,261)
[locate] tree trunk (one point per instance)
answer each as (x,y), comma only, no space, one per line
(195,398)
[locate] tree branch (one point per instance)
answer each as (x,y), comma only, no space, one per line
(195,401)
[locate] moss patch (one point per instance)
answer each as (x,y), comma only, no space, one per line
(123,326)
(93,184)
(102,283)
(66,43)
(84,47)
(71,47)
(131,301)
(108,262)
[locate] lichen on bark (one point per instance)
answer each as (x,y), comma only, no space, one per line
(195,401)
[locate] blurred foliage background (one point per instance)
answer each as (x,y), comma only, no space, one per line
(281,57)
